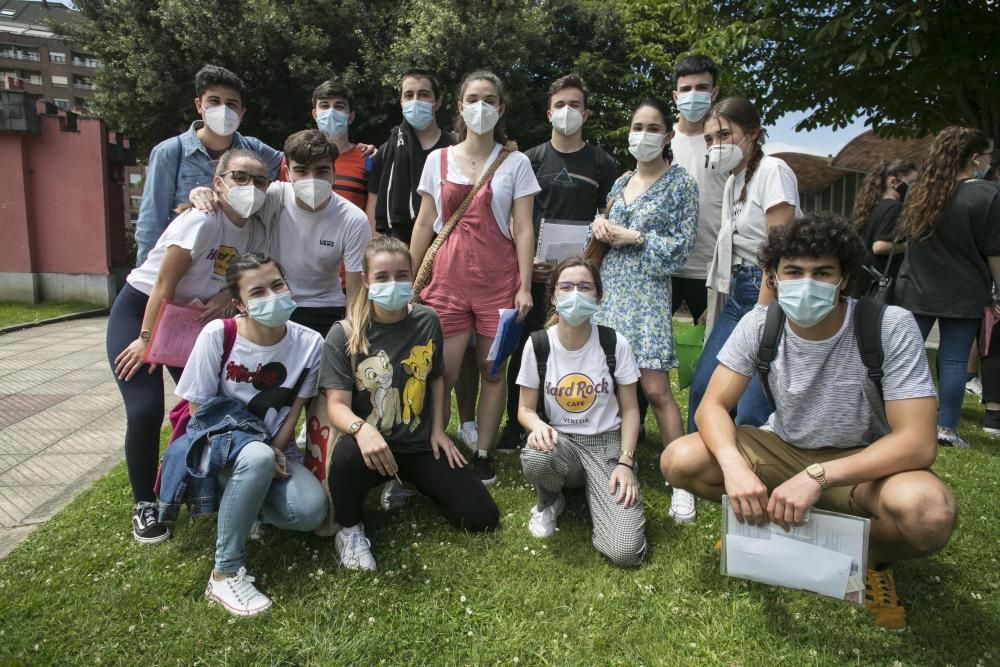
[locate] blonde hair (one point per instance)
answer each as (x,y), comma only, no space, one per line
(359,312)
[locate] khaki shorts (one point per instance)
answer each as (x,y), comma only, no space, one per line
(774,461)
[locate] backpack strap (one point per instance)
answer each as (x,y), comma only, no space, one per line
(868,315)
(541,347)
(774,326)
(609,343)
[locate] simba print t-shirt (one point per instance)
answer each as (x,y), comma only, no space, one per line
(391,383)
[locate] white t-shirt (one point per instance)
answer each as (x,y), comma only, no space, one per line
(772,183)
(265,379)
(578,391)
(310,246)
(513,179)
(690,152)
(211,238)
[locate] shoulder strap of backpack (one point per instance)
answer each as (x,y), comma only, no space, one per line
(228,338)
(540,346)
(609,343)
(868,315)
(774,326)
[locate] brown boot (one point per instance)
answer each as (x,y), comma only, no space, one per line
(882,602)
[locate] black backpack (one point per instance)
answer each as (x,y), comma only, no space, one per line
(606,336)
(868,315)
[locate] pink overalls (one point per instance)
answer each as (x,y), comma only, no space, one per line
(475,271)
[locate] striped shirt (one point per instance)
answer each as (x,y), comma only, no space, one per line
(822,393)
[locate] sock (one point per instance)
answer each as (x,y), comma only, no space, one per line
(468,425)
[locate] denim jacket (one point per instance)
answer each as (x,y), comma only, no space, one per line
(168,184)
(226,426)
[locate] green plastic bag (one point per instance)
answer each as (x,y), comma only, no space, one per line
(687,347)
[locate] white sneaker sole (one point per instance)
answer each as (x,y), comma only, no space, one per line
(683,519)
(991,431)
(150,540)
(235,611)
(559,511)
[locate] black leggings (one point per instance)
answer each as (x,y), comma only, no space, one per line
(691,291)
(989,368)
(143,395)
(319,319)
(459,495)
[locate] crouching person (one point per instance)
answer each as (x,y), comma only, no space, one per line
(580,433)
(847,433)
(382,372)
(247,380)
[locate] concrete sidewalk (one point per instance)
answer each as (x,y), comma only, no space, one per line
(62,422)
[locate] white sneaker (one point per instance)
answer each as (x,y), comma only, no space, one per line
(682,508)
(237,594)
(354,549)
(256,531)
(395,495)
(543,522)
(974,387)
(468,433)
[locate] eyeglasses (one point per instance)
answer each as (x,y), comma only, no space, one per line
(243,178)
(582,286)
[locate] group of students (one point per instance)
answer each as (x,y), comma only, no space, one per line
(705,219)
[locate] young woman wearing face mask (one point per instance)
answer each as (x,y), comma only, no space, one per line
(592,427)
(485,264)
(383,376)
(188,265)
(273,370)
(652,218)
(951,224)
(761,193)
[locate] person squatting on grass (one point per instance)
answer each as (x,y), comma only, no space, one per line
(383,373)
(272,370)
(836,439)
(581,431)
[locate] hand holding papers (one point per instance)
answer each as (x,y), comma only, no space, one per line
(508,334)
(176,329)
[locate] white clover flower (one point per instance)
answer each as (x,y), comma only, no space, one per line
(468,610)
(462,599)
(371,619)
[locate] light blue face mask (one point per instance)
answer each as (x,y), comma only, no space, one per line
(693,105)
(332,123)
(806,301)
(392,295)
(576,307)
(983,172)
(418,114)
(271,311)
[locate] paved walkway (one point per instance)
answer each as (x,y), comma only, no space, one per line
(62,422)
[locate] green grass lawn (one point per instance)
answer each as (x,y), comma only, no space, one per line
(80,591)
(12,313)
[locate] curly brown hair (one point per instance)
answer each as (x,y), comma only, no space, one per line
(815,235)
(875,186)
(950,153)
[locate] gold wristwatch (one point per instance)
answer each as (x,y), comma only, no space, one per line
(817,473)
(629,453)
(355,427)
(145,335)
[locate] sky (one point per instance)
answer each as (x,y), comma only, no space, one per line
(782,137)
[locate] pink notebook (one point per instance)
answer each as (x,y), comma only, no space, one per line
(176,329)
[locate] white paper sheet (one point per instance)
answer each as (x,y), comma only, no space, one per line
(558,241)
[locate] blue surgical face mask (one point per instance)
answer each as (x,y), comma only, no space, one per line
(694,104)
(271,311)
(806,301)
(333,123)
(981,172)
(418,114)
(391,295)
(576,307)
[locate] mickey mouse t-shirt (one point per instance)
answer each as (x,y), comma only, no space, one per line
(391,383)
(265,379)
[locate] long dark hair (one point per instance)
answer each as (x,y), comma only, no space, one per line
(668,121)
(875,186)
(499,132)
(739,111)
(246,262)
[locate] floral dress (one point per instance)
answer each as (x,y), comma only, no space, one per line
(637,296)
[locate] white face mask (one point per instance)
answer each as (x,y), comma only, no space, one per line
(312,191)
(245,199)
(567,121)
(645,146)
(480,117)
(725,157)
(222,120)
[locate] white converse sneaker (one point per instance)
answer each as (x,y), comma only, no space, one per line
(395,495)
(682,507)
(543,522)
(237,594)
(975,387)
(354,549)
(468,433)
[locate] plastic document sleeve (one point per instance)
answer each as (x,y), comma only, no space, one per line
(174,334)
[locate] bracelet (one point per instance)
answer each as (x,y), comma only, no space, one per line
(624,464)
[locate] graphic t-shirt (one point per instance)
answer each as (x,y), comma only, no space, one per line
(211,238)
(690,152)
(265,379)
(579,395)
(391,383)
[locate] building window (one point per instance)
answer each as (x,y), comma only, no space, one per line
(8,51)
(80,60)
(34,78)
(134,202)
(62,104)
(57,57)
(58,80)
(134,179)
(83,83)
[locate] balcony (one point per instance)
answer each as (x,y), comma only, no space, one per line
(90,63)
(19,54)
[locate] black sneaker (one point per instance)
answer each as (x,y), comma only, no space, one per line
(146,527)
(510,439)
(482,465)
(991,422)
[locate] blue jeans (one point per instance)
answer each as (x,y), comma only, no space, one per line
(952,357)
(753,408)
(250,490)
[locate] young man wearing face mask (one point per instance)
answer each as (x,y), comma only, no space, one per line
(836,440)
(575,177)
(393,201)
(179,164)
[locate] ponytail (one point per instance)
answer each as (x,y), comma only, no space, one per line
(359,311)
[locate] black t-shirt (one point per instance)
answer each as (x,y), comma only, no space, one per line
(881,226)
(390,384)
(574,185)
(375,174)
(946,274)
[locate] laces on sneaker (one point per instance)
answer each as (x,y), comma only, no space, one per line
(241,584)
(146,514)
(682,502)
